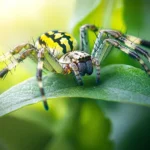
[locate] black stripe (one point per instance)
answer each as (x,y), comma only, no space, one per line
(69,41)
(134,55)
(3,72)
(137,48)
(39,74)
(145,43)
(42,91)
(142,51)
(45,105)
(41,42)
(57,41)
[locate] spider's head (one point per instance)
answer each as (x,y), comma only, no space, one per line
(85,66)
(77,61)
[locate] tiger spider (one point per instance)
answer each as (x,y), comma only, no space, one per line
(56,51)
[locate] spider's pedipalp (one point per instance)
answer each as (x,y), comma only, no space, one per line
(75,69)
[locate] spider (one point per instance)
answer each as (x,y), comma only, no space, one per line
(56,51)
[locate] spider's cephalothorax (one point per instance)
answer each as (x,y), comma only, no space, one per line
(57,51)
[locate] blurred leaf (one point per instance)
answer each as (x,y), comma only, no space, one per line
(102,13)
(78,124)
(120,83)
(136,17)
(16,134)
(68,133)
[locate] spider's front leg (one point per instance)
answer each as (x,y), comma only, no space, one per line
(96,63)
(39,76)
(44,54)
(107,46)
(84,42)
(21,57)
(16,50)
(132,54)
(130,41)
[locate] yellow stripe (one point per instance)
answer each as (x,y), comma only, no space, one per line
(58,35)
(50,32)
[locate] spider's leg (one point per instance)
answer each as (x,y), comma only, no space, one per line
(39,76)
(101,50)
(128,52)
(22,56)
(131,44)
(75,69)
(96,63)
(138,41)
(44,54)
(53,61)
(16,50)
(84,43)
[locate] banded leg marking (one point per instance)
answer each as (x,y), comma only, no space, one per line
(39,77)
(98,43)
(129,52)
(131,42)
(22,56)
(84,43)
(97,66)
(75,69)
(135,47)
(138,41)
(16,50)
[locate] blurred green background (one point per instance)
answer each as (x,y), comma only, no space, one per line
(72,124)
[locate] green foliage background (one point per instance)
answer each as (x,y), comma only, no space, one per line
(75,123)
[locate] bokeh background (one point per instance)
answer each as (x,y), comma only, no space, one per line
(72,124)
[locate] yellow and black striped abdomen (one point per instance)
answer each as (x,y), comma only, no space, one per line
(58,42)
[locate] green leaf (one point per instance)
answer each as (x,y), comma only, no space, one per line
(67,133)
(78,124)
(16,134)
(103,13)
(120,83)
